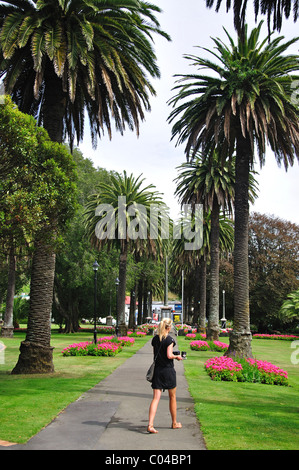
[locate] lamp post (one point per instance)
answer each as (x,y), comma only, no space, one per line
(116,285)
(223,319)
(95,267)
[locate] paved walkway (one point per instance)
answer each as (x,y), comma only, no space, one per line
(113,415)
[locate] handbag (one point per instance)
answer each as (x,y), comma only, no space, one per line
(150,373)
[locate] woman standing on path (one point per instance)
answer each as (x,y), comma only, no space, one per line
(165,374)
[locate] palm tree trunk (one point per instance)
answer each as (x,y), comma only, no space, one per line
(7,328)
(132,308)
(213,319)
(202,294)
(36,354)
(240,338)
(196,292)
(55,104)
(121,300)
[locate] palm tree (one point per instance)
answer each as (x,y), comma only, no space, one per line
(205,180)
(277,8)
(119,214)
(245,105)
(194,263)
(62,58)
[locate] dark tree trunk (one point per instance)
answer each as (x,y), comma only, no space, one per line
(140,290)
(7,328)
(132,308)
(240,338)
(36,354)
(145,303)
(213,320)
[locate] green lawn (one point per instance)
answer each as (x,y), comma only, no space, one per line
(233,416)
(29,402)
(245,416)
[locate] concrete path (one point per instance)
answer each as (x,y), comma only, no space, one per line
(113,415)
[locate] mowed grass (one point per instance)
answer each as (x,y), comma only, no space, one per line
(246,416)
(232,416)
(30,402)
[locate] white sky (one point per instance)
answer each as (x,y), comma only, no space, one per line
(190,24)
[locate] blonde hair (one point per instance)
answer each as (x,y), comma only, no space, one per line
(164,325)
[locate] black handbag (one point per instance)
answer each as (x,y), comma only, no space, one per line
(150,373)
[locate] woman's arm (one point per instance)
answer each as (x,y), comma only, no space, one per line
(170,354)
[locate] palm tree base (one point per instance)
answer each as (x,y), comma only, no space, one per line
(34,358)
(212,333)
(239,345)
(6,332)
(123,329)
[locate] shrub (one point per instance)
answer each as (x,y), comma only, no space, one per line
(223,368)
(283,337)
(245,370)
(106,346)
(200,345)
(190,336)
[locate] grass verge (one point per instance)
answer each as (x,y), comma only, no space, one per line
(30,402)
(246,416)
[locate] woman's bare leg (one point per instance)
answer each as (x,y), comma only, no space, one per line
(153,407)
(173,408)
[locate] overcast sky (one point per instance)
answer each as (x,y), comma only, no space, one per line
(153,154)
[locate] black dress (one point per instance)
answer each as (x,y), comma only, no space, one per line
(165,374)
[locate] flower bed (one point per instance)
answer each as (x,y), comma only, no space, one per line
(283,337)
(197,336)
(245,370)
(199,345)
(106,346)
(137,334)
(223,368)
(190,336)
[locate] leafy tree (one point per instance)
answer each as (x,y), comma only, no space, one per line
(245,104)
(290,308)
(43,173)
(73,287)
(274,268)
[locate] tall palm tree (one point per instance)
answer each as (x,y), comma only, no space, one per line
(275,8)
(244,105)
(119,214)
(194,263)
(206,180)
(61,59)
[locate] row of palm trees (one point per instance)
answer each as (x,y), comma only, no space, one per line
(61,58)
(133,219)
(244,106)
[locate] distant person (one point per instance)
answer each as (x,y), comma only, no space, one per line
(165,374)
